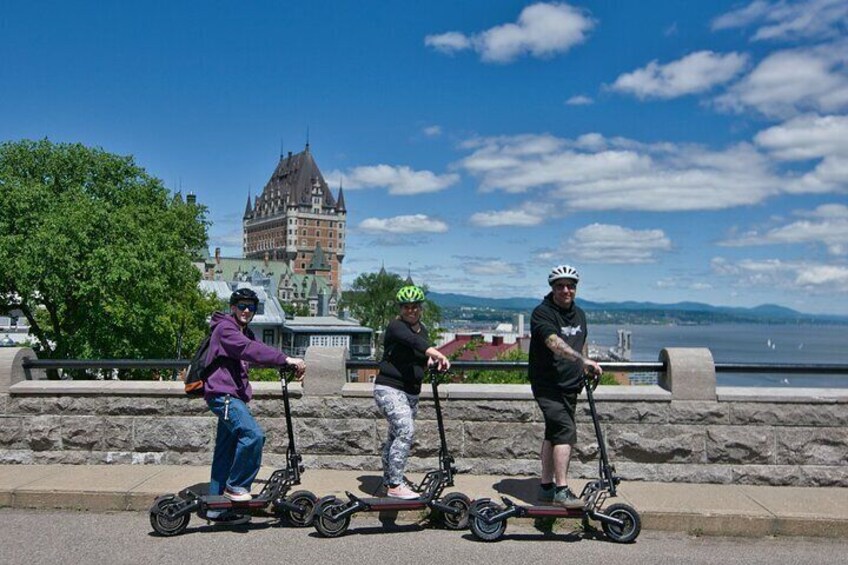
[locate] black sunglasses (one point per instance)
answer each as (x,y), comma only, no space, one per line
(246,306)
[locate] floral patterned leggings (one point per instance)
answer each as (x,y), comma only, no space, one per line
(399,409)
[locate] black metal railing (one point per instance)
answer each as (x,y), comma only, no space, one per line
(621,367)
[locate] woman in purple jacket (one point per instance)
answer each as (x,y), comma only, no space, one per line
(239,441)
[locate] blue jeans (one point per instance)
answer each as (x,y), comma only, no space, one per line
(238,445)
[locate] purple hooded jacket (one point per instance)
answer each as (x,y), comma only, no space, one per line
(232,349)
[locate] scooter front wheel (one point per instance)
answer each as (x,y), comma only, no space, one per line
(161,521)
(305,500)
(631,527)
(457,501)
(482,529)
(325,523)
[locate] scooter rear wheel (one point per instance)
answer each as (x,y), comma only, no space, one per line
(162,523)
(306,500)
(480,528)
(632,523)
(324,522)
(460,502)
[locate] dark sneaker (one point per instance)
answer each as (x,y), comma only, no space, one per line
(564,497)
(226,517)
(545,493)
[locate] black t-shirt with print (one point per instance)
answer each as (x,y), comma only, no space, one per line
(547,372)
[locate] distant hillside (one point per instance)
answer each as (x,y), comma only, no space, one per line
(636,312)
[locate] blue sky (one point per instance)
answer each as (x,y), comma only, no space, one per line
(669,150)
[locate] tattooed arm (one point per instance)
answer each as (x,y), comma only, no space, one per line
(562,349)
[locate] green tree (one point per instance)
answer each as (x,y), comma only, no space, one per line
(292,309)
(97,254)
(371,300)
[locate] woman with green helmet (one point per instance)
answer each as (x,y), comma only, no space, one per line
(406,355)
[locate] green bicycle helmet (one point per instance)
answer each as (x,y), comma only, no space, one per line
(409,295)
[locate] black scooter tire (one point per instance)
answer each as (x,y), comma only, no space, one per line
(630,517)
(162,524)
(455,521)
(305,499)
(482,530)
(325,525)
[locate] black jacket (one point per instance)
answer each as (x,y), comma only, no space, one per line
(404,362)
(547,372)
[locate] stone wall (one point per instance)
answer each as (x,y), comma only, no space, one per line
(692,432)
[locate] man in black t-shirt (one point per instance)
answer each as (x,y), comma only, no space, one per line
(558,349)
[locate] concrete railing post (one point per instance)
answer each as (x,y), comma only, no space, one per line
(690,373)
(325,371)
(12,366)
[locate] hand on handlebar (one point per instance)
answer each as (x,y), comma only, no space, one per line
(593,373)
(299,367)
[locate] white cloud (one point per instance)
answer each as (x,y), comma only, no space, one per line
(793,81)
(542,30)
(806,137)
(597,173)
(694,73)
(817,278)
(810,19)
(416,223)
(400,180)
(448,43)
(603,243)
(530,214)
(579,100)
(490,268)
(433,131)
(823,138)
(828,226)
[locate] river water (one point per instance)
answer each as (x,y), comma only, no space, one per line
(743,343)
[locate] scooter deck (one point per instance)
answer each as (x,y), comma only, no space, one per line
(388,503)
(222,502)
(551,511)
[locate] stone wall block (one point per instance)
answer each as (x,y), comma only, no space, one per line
(657,444)
(173,434)
(698,412)
(12,434)
(625,412)
(4,402)
(747,445)
(137,406)
(44,433)
(486,466)
(427,438)
(81,432)
(185,406)
(333,407)
(116,433)
(786,414)
(16,457)
(502,440)
(486,410)
(774,475)
(349,436)
(812,446)
(59,457)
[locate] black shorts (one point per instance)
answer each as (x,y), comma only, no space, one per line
(558,408)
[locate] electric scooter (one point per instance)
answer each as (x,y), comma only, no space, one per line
(620,522)
(170,514)
(332,515)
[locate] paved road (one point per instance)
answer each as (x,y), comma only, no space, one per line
(35,537)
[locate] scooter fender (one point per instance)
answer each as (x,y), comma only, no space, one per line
(319,506)
(477,504)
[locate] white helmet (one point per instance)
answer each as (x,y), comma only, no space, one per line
(563,272)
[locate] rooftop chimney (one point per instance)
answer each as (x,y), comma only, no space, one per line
(497,340)
(218,255)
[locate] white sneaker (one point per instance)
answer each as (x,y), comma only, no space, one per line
(237,494)
(402,491)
